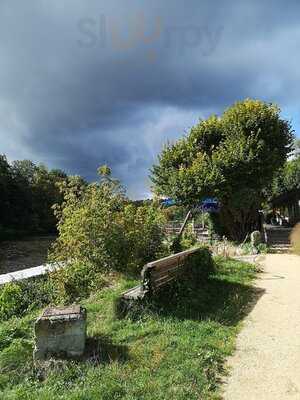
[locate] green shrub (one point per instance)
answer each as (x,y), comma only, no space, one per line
(143,235)
(89,232)
(15,328)
(175,245)
(200,265)
(10,300)
(76,281)
(101,231)
(16,298)
(188,239)
(248,248)
(262,248)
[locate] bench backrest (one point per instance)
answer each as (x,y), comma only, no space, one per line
(161,272)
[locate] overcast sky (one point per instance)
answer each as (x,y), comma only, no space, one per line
(83,83)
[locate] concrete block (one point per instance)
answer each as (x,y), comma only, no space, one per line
(60,331)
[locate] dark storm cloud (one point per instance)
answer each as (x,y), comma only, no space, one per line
(86,83)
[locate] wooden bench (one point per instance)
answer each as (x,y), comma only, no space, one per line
(159,273)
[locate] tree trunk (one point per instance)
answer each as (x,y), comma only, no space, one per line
(238,222)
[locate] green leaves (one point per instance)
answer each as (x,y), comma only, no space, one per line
(27,193)
(232,156)
(10,300)
(101,231)
(288,178)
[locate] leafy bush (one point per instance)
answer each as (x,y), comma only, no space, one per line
(10,300)
(17,298)
(262,248)
(76,281)
(101,231)
(200,265)
(249,248)
(143,234)
(189,238)
(15,328)
(88,226)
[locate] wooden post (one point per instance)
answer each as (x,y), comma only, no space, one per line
(188,215)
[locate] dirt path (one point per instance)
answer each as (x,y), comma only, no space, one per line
(266,364)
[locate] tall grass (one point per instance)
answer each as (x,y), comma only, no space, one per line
(176,349)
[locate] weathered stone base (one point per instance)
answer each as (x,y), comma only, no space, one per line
(60,332)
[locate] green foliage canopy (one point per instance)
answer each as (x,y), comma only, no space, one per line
(28,192)
(233,157)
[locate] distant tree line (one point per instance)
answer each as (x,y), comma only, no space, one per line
(28,192)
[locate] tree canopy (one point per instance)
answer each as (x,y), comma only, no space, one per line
(233,157)
(28,192)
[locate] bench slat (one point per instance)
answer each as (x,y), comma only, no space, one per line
(165,264)
(159,273)
(172,272)
(163,282)
(167,260)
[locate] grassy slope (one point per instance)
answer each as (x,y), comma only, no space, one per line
(175,350)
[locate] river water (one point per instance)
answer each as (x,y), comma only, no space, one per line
(26,253)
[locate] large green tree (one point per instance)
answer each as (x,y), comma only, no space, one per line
(233,157)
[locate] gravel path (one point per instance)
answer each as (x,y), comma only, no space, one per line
(266,364)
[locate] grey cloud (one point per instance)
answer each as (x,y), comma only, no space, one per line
(83,83)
